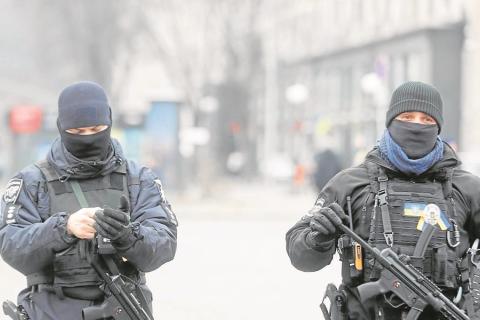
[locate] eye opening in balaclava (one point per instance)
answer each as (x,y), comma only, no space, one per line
(80,105)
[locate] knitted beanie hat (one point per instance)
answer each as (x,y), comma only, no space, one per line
(416,96)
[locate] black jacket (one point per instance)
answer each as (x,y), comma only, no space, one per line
(355,182)
(29,242)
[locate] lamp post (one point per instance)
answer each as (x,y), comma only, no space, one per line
(297,94)
(373,85)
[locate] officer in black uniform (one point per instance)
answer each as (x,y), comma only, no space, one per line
(410,177)
(50,213)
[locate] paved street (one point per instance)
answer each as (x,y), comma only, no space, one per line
(231,261)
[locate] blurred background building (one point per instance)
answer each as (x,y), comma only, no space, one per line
(211,89)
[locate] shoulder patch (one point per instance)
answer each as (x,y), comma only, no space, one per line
(12,191)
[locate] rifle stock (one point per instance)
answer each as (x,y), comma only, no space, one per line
(121,303)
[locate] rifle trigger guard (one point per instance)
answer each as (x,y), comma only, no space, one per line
(389,299)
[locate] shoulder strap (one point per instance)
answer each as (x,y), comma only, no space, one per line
(372,171)
(122,168)
(47,170)
(379,183)
(382,200)
(447,183)
(77,190)
(132,184)
(133,179)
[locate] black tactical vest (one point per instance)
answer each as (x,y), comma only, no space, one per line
(71,272)
(396,221)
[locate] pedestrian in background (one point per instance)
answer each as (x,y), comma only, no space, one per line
(327,165)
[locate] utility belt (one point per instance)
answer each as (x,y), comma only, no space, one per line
(81,292)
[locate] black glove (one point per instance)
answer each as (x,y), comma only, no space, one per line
(323,224)
(114,224)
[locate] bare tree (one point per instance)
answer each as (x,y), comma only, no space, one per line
(86,39)
(211,44)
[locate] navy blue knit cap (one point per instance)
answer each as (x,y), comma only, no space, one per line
(83,104)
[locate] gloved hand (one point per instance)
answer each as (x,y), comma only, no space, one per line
(323,224)
(114,224)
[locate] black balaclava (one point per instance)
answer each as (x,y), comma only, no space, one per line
(416,140)
(85,104)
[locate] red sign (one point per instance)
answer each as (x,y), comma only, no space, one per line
(25,119)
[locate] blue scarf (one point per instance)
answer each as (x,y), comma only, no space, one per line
(394,154)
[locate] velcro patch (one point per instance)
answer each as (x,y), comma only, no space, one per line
(428,213)
(12,191)
(10,212)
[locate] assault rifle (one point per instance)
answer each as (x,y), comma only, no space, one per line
(402,279)
(121,303)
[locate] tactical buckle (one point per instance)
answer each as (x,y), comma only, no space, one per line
(340,246)
(388,238)
(453,235)
(341,243)
(382,179)
(382,197)
(473,251)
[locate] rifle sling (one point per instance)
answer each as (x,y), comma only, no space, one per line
(382,197)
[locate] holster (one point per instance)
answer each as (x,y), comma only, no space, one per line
(350,275)
(338,303)
(14,312)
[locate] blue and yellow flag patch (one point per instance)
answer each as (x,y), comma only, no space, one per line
(428,213)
